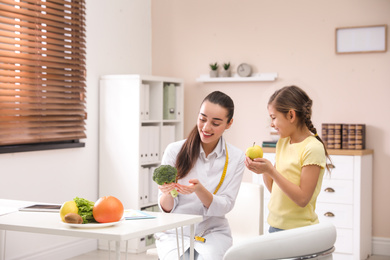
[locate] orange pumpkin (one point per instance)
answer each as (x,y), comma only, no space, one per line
(108,209)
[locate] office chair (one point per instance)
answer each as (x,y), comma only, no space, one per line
(246,218)
(310,242)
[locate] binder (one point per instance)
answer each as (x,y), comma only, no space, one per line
(145,178)
(145,101)
(153,187)
(150,144)
(169,109)
(144,144)
(168,133)
(179,98)
(156,143)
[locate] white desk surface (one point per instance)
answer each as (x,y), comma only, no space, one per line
(50,223)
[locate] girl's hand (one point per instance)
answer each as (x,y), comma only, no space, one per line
(194,186)
(166,188)
(259,165)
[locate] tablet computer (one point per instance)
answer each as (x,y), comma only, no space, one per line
(43,207)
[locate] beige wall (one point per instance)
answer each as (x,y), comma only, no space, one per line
(296,39)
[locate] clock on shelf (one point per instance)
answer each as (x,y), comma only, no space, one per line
(244,70)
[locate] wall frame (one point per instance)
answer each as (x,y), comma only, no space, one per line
(361,39)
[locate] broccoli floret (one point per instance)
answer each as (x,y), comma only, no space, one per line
(165,174)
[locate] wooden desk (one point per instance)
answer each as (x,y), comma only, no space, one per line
(50,223)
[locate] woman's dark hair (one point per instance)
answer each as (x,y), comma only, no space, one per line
(293,97)
(190,150)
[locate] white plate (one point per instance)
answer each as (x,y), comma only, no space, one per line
(92,225)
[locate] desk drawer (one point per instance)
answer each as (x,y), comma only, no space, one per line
(343,168)
(336,191)
(340,215)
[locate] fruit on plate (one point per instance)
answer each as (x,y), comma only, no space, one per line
(108,209)
(85,209)
(68,207)
(73,218)
(254,151)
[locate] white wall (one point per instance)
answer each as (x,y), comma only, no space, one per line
(118,41)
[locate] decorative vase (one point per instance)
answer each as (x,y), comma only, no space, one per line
(225,73)
(213,73)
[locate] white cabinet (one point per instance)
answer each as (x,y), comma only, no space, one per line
(138,117)
(345,200)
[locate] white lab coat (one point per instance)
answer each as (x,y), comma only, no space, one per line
(208,171)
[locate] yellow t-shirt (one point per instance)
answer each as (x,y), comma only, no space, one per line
(290,158)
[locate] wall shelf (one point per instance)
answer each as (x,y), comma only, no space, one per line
(235,78)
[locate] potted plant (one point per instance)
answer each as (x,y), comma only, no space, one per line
(214,70)
(226,70)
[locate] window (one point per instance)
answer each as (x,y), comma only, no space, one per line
(42,74)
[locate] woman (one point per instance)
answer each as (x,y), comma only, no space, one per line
(203,160)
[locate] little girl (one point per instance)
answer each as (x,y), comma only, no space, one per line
(295,180)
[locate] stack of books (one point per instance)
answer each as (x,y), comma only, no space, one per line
(269,143)
(344,136)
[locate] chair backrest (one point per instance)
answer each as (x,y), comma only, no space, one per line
(246,218)
(293,243)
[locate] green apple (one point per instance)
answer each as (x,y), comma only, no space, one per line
(254,151)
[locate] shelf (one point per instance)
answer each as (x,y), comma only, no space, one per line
(235,78)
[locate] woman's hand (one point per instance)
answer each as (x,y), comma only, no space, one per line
(259,165)
(166,200)
(195,186)
(188,189)
(166,188)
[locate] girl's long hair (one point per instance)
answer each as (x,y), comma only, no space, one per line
(293,97)
(190,150)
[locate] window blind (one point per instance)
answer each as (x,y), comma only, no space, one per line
(42,71)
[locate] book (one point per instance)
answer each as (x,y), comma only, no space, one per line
(269,143)
(131,214)
(351,136)
(344,136)
(324,133)
(331,132)
(42,208)
(360,132)
(337,136)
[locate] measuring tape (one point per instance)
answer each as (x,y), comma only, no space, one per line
(200,238)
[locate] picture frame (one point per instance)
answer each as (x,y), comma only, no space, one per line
(361,39)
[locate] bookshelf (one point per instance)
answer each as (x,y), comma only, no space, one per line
(139,115)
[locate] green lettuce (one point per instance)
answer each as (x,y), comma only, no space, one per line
(85,209)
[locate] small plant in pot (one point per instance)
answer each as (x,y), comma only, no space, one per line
(226,70)
(214,70)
